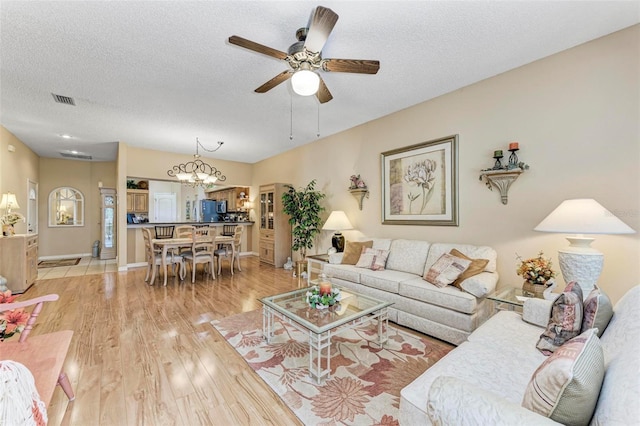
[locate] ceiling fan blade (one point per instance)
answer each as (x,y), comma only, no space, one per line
(322,22)
(351,65)
(323,94)
(257,47)
(283,76)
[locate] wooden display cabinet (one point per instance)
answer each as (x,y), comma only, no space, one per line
(19,261)
(275,231)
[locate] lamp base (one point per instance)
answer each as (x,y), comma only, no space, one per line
(584,268)
(337,241)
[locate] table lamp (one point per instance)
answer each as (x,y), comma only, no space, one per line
(9,202)
(580,262)
(337,221)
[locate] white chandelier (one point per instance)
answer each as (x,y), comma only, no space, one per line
(197,172)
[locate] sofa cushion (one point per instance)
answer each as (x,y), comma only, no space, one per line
(345,272)
(353,250)
(566,319)
(566,386)
(387,280)
(446,270)
(373,259)
(408,256)
(448,297)
(476,266)
(474,252)
(598,311)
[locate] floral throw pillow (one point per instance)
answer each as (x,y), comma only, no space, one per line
(598,311)
(446,270)
(566,320)
(373,259)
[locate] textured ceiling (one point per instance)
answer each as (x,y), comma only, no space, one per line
(158,74)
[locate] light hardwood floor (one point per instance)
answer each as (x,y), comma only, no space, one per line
(148,355)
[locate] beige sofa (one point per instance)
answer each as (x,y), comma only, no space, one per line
(447,313)
(483,381)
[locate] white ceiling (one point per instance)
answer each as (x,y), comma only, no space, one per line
(158,74)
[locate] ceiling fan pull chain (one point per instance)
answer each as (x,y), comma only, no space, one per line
(318,134)
(291,117)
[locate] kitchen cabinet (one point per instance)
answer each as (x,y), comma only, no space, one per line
(231,196)
(137,201)
(19,261)
(275,231)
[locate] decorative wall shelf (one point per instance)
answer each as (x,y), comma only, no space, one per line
(359,195)
(501,179)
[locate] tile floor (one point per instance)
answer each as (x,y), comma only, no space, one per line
(87,266)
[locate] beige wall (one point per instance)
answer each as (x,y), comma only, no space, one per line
(83,176)
(16,169)
(576,117)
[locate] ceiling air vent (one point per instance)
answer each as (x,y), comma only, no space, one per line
(78,156)
(63,99)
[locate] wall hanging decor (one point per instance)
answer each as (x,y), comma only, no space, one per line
(502,177)
(420,184)
(358,189)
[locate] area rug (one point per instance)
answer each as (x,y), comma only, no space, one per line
(365,383)
(58,262)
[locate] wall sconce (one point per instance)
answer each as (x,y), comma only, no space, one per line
(358,189)
(503,176)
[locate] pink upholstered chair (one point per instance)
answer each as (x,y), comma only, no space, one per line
(43,355)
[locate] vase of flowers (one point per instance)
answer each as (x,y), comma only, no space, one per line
(8,220)
(322,299)
(537,274)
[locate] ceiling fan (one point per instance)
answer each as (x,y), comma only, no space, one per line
(305,58)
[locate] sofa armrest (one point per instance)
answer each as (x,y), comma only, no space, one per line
(537,311)
(481,284)
(452,401)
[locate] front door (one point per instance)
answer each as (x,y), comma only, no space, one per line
(108,223)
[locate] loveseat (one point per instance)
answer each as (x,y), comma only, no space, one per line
(448,313)
(484,380)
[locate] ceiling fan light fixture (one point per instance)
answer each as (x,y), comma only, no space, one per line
(305,82)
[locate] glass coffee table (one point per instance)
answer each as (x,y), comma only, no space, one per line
(511,299)
(353,311)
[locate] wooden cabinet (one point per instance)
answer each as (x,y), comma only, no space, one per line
(231,196)
(137,201)
(19,261)
(275,231)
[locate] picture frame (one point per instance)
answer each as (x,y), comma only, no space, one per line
(420,184)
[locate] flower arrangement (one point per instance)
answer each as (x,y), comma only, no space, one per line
(536,270)
(11,322)
(318,300)
(12,218)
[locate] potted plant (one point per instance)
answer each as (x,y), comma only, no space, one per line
(303,207)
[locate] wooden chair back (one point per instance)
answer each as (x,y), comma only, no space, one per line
(184,231)
(228,230)
(164,231)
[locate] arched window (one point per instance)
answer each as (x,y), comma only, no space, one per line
(66,207)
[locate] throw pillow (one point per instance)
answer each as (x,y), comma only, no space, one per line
(566,386)
(373,259)
(566,319)
(476,266)
(598,311)
(353,250)
(446,269)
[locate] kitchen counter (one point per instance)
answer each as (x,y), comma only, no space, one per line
(213,224)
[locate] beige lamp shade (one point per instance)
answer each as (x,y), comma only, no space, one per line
(9,201)
(337,221)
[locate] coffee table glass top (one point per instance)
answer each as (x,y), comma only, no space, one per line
(512,296)
(294,306)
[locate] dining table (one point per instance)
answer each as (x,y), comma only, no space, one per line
(166,244)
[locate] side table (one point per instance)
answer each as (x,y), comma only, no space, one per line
(510,299)
(315,265)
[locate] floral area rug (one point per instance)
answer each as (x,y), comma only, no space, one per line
(365,383)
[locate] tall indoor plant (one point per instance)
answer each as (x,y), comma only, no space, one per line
(303,207)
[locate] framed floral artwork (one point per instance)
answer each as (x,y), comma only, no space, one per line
(420,184)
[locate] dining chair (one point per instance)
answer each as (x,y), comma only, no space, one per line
(183,231)
(43,355)
(164,231)
(154,258)
(202,251)
(227,252)
(228,230)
